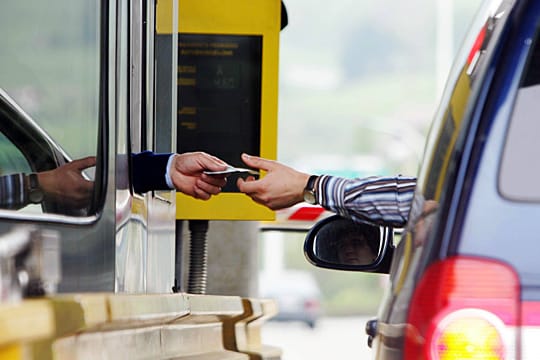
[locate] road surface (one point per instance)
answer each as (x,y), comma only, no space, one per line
(332,338)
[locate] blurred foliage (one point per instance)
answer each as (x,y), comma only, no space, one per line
(358,77)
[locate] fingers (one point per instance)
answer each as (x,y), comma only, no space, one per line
(211,163)
(215,180)
(189,169)
(247,186)
(196,162)
(204,190)
(201,186)
(257,191)
(257,162)
(75,171)
(84,163)
(217,160)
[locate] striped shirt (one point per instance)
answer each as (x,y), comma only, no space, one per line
(13,194)
(380,200)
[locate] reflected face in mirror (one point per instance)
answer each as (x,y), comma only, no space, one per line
(354,250)
(348,243)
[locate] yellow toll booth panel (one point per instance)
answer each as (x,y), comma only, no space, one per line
(227,86)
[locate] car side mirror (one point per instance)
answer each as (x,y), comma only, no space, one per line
(342,244)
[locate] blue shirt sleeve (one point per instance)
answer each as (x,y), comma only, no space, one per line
(149,171)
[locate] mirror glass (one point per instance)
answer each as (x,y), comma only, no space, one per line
(345,242)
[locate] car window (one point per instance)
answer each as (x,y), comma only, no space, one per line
(443,139)
(50,91)
(11,158)
(518,176)
(509,235)
(12,161)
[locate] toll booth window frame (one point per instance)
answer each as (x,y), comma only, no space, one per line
(43,137)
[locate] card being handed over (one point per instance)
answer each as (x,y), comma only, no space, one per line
(232,170)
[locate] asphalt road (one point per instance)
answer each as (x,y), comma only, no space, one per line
(332,338)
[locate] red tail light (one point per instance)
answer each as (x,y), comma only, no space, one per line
(464,308)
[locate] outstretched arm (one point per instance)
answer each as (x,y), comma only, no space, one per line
(382,200)
(182,172)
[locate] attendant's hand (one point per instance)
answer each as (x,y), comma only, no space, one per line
(281,187)
(66,184)
(187,174)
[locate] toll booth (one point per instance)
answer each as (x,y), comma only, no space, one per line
(227,85)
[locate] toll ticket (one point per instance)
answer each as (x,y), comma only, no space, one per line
(233,170)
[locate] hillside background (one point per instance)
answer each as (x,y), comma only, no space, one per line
(359,81)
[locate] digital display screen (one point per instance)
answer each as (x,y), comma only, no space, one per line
(219,96)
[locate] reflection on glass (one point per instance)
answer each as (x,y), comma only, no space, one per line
(348,243)
(49,105)
(35,173)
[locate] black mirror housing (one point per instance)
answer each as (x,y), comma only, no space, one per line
(342,244)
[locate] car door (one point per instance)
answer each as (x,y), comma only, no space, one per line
(423,239)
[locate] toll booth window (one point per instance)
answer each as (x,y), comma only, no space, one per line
(519,171)
(49,100)
(219,95)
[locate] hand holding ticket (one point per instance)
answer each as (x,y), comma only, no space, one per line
(232,170)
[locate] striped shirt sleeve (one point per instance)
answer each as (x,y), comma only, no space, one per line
(13,193)
(380,200)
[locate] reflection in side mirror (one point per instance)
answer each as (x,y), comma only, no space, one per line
(344,242)
(339,243)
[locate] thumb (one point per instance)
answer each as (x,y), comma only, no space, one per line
(212,163)
(257,162)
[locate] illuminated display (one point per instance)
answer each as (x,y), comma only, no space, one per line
(219,96)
